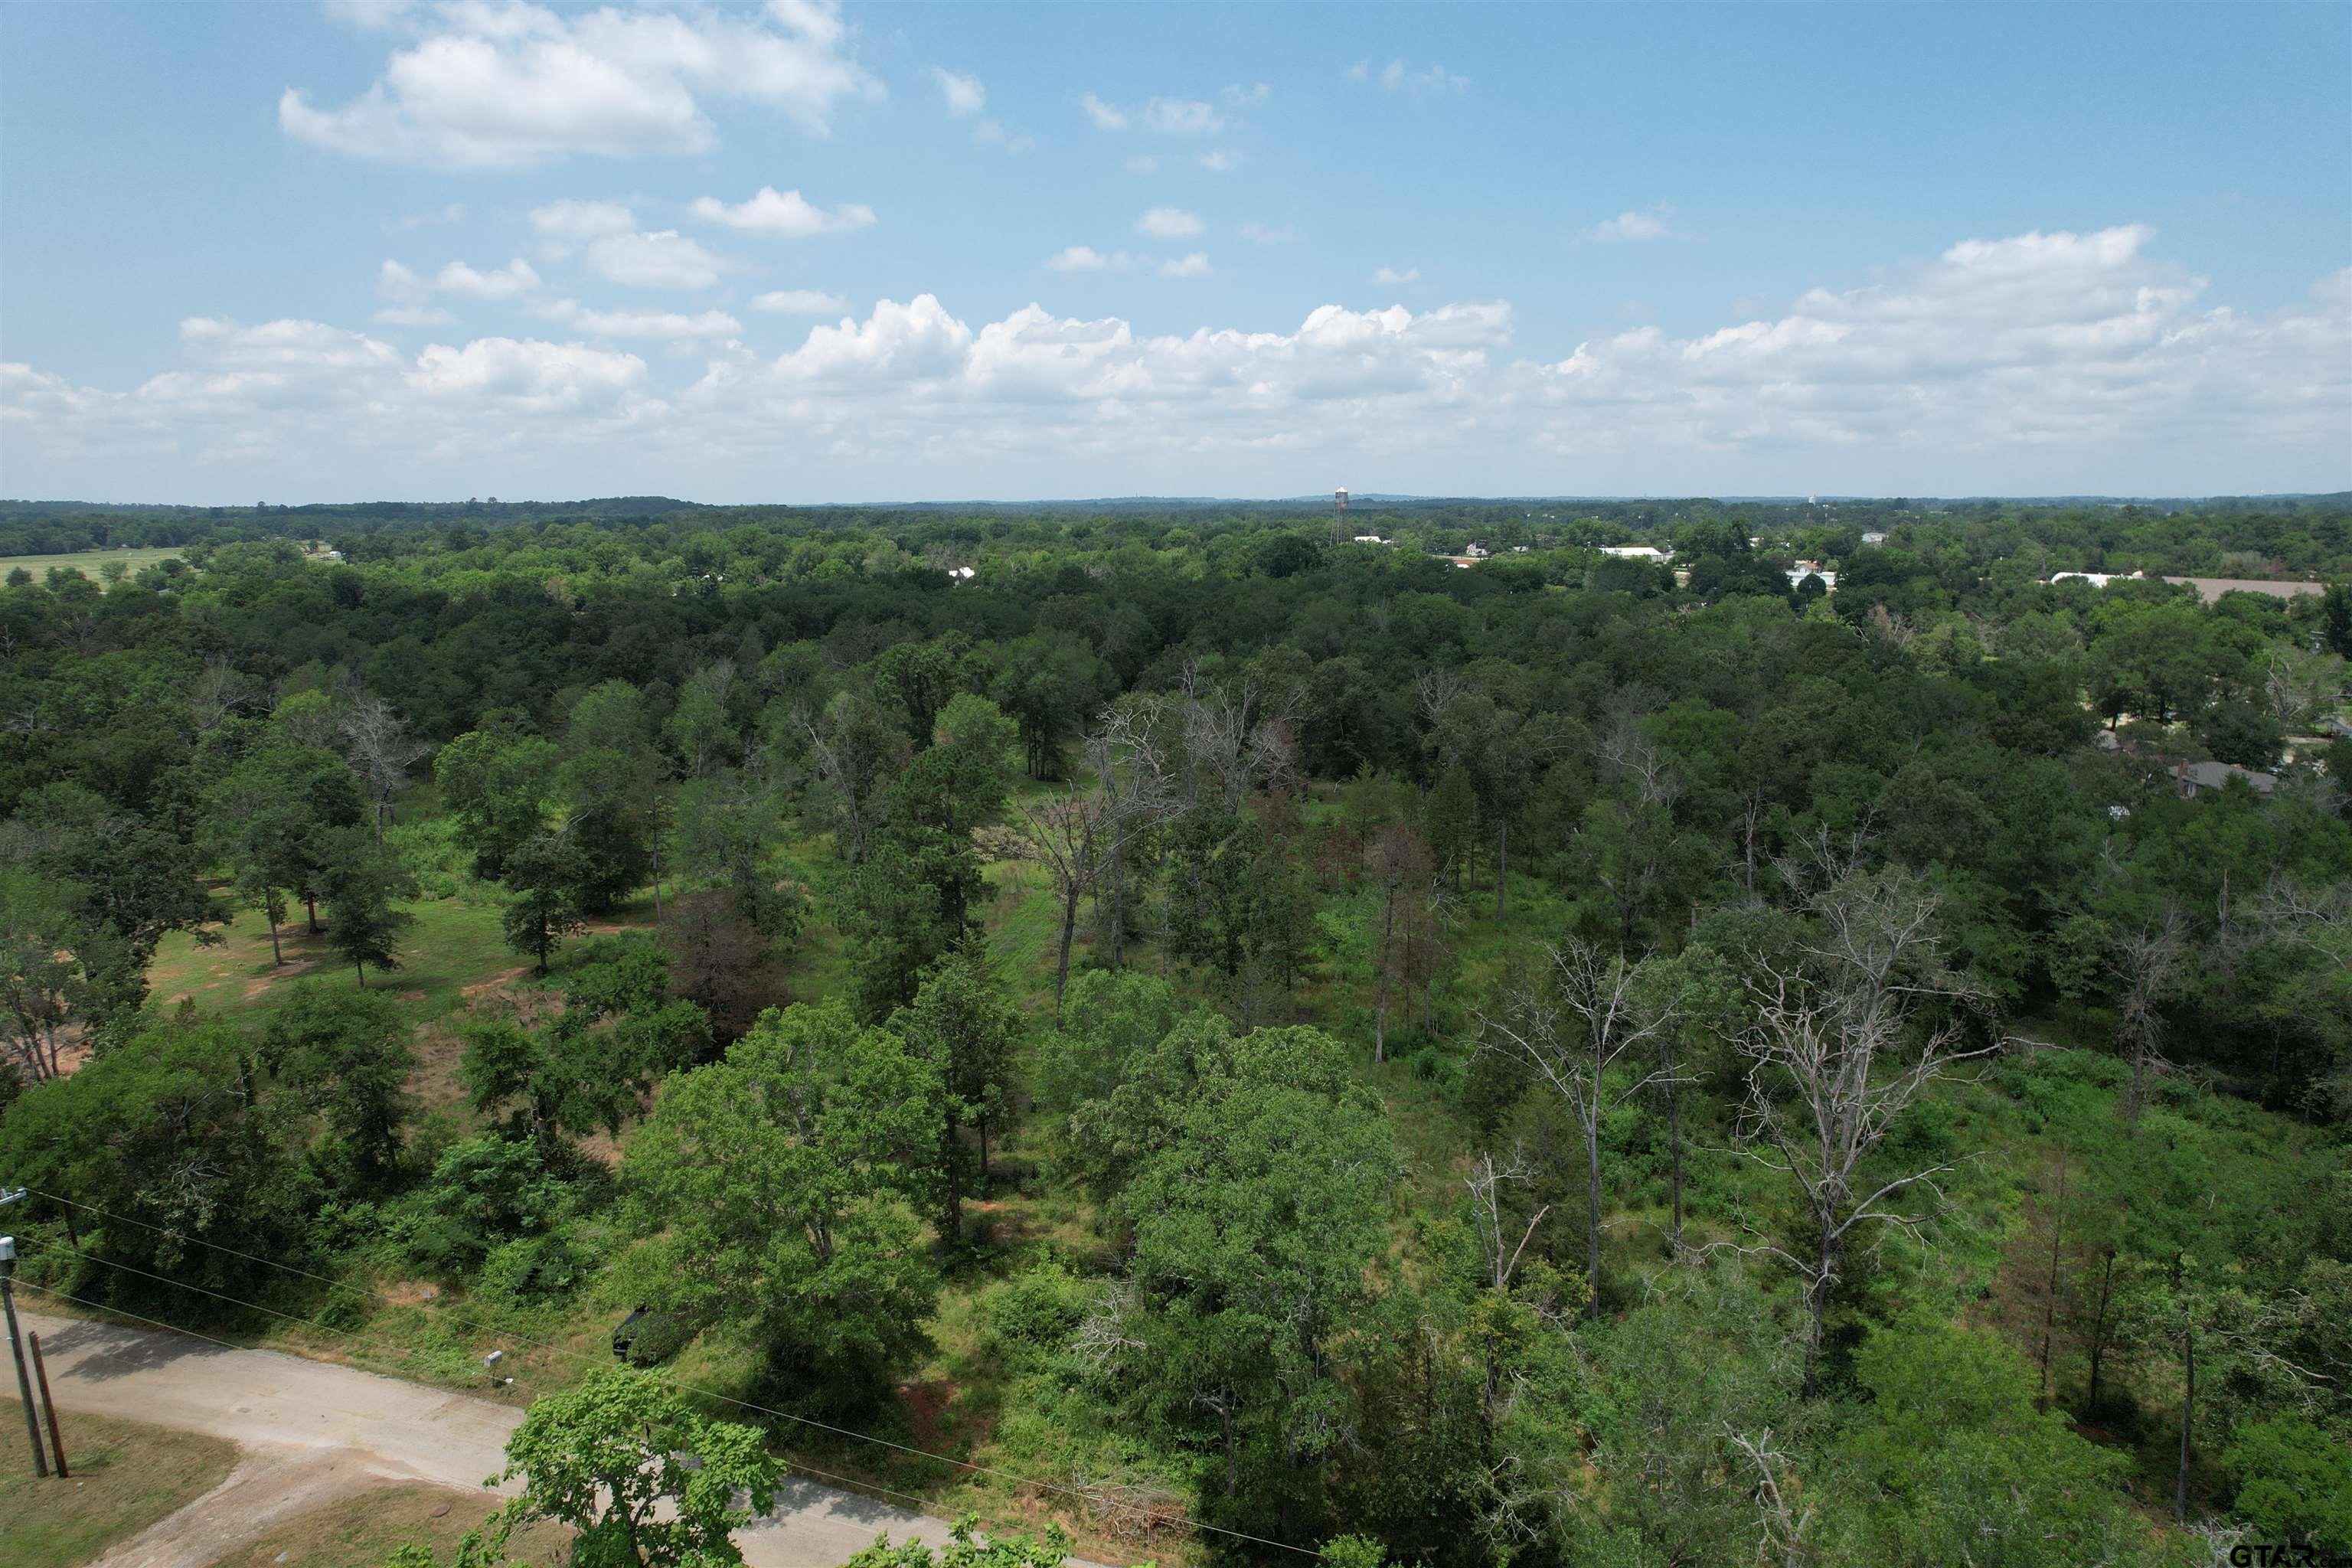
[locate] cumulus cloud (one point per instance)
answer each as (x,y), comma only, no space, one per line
(1647,223)
(663,260)
(1398,76)
(1165,116)
(453,212)
(1087,258)
(411,316)
(526,374)
(506,84)
(1196,265)
(2040,361)
(562,227)
(1385,275)
(500,283)
(1222,160)
(1268,234)
(670,324)
(963,95)
(787,214)
(1250,97)
(1168,223)
(800,302)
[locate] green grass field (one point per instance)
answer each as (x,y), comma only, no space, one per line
(126,1476)
(88,561)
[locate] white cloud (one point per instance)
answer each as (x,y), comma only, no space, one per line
(1250,97)
(454,212)
(963,95)
(411,316)
(787,214)
(895,343)
(668,324)
(1396,76)
(1087,258)
(399,284)
(525,375)
(800,302)
(663,260)
(989,132)
(1166,116)
(500,283)
(1222,161)
(1168,223)
(506,84)
(1182,117)
(572,222)
(1268,234)
(1393,275)
(1193,265)
(1647,223)
(2041,361)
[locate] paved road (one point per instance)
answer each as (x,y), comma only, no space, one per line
(392,1430)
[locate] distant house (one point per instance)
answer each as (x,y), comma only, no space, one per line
(1636,552)
(1804,569)
(1370,539)
(960,574)
(2095,579)
(2192,779)
(1874,538)
(1476,553)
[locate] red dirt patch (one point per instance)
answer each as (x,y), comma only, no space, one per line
(926,1403)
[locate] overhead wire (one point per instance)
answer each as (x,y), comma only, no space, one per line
(796,1466)
(963,1465)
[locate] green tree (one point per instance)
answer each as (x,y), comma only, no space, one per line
(964,1550)
(498,779)
(359,883)
(960,1024)
(564,1080)
(641,1478)
(346,1056)
(774,1179)
(545,872)
(1254,1232)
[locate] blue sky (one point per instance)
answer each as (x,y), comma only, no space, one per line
(794,253)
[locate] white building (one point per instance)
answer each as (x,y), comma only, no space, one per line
(1637,552)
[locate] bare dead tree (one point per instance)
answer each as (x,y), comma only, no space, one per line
(1832,1065)
(2148,962)
(1487,1182)
(1781,1524)
(380,749)
(1132,757)
(1585,1015)
(1067,833)
(1238,734)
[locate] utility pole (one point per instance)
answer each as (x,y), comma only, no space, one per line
(16,1344)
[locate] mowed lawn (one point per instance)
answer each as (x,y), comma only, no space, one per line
(126,1476)
(90,561)
(455,943)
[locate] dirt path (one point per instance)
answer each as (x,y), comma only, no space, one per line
(315,1428)
(268,1486)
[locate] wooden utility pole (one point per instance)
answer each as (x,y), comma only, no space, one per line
(17,1345)
(48,1407)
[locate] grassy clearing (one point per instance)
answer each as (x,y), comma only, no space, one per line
(361,1530)
(89,563)
(126,1476)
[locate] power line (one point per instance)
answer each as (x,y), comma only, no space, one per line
(964,1465)
(796,1465)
